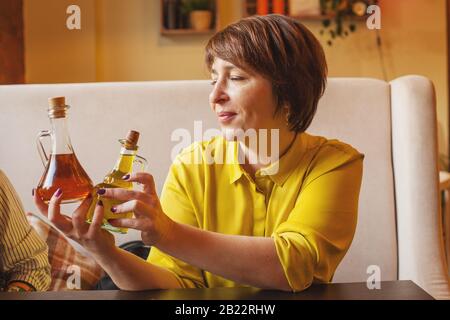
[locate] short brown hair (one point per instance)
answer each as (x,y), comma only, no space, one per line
(282,50)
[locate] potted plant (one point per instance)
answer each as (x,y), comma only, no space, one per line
(338,11)
(200,14)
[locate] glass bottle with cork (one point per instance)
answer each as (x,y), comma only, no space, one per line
(124,166)
(62,169)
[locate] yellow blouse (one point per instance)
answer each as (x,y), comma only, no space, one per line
(309,206)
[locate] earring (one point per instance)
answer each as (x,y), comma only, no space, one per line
(288,115)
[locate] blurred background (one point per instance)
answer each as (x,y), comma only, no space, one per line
(147,40)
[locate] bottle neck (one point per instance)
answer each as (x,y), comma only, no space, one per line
(61,143)
(125,161)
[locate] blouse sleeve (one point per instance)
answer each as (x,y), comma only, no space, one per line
(23,254)
(319,230)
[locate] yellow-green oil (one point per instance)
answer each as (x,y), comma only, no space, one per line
(114,179)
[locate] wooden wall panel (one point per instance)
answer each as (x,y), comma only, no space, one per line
(12,69)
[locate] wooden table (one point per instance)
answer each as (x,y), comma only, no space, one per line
(392,290)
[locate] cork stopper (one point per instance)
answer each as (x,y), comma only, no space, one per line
(57,102)
(130,142)
(57,107)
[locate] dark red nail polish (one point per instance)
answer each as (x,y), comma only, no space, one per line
(113,209)
(100,203)
(126,177)
(58,193)
(101,192)
(32,192)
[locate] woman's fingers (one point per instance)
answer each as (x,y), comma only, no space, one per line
(127,223)
(122,194)
(97,220)
(54,214)
(85,204)
(139,208)
(40,204)
(144,178)
(79,216)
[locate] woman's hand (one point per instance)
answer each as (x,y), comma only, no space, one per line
(150,219)
(90,236)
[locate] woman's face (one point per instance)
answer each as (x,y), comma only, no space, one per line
(242,99)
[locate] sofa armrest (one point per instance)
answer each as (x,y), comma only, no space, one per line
(421,256)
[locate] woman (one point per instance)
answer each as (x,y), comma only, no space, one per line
(230,223)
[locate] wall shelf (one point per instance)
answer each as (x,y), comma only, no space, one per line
(174,32)
(324,17)
(175,23)
(250,8)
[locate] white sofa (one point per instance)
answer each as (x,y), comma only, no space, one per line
(393,124)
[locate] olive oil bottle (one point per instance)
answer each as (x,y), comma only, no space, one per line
(124,165)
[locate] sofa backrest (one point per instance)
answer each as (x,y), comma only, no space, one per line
(356,111)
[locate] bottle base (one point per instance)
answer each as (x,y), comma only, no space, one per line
(108,227)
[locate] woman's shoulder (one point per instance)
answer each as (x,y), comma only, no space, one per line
(5,188)
(3,179)
(188,165)
(323,144)
(197,151)
(326,154)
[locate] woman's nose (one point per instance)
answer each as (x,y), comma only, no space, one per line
(218,94)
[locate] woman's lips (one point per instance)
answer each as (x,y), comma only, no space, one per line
(225,117)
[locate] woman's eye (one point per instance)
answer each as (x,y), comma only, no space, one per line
(213,82)
(237,78)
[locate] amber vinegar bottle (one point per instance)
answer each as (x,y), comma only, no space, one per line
(62,168)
